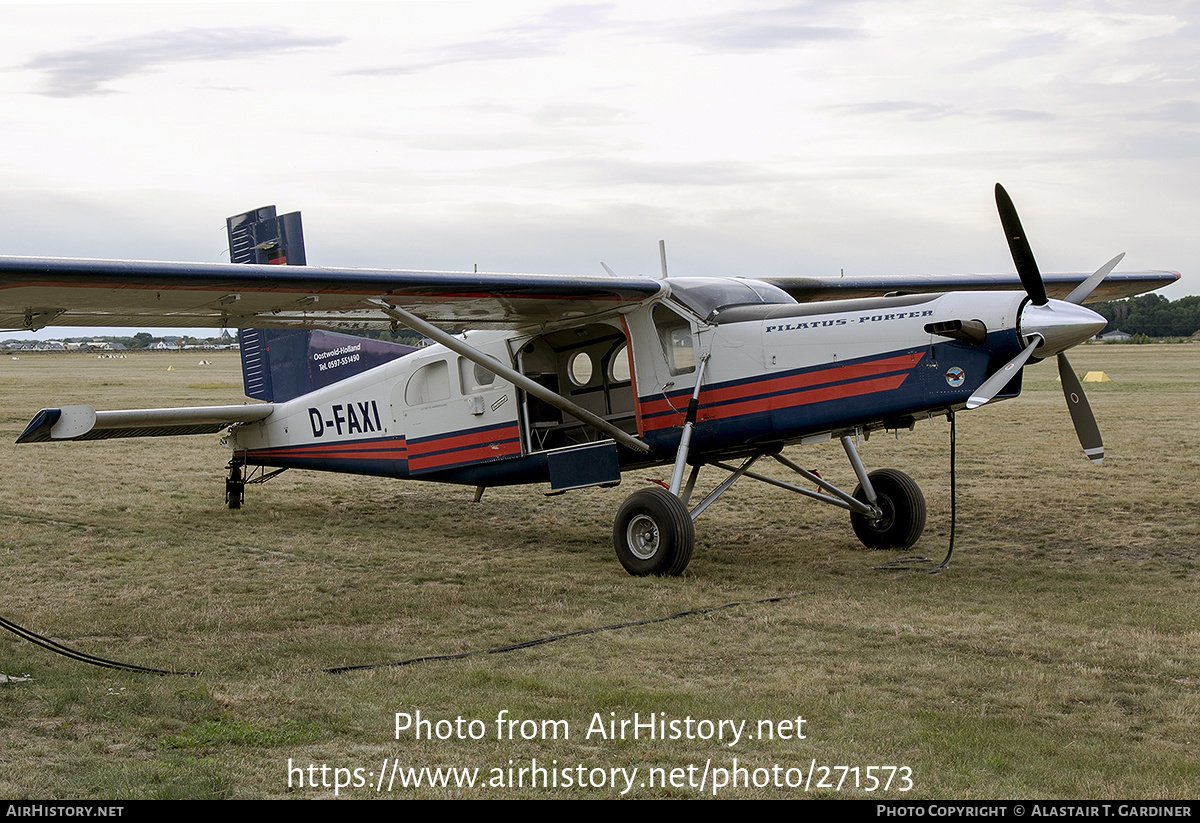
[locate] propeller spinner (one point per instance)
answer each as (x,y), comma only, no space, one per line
(1051,327)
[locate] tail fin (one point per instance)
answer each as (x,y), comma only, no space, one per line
(260,237)
(279,364)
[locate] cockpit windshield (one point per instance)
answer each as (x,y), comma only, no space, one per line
(707,296)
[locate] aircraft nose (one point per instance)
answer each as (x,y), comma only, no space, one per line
(1061,325)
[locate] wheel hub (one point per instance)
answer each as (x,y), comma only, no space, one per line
(642,536)
(885,520)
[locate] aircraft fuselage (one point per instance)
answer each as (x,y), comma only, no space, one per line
(776,373)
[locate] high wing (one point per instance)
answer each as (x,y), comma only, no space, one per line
(1116,286)
(39,291)
(36,292)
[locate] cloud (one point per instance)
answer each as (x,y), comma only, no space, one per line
(1049,44)
(84,70)
(540,36)
(752,31)
(1173,111)
(612,171)
(564,20)
(577,114)
(497,141)
(912,109)
(478,51)
(1160,148)
(1021,115)
(545,35)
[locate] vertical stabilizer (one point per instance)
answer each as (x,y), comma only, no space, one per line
(259,236)
(279,364)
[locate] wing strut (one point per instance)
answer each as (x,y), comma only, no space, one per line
(515,377)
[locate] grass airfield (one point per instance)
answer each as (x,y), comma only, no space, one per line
(1057,657)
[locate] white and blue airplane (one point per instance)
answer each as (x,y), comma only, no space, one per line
(573,380)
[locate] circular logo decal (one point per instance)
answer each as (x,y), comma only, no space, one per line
(955,376)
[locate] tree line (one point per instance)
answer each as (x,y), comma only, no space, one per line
(1152,315)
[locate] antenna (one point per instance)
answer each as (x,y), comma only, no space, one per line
(662,256)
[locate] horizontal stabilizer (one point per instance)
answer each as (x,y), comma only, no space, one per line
(85,423)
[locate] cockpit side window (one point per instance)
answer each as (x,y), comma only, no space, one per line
(675,336)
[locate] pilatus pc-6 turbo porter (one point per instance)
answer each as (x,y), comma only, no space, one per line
(573,380)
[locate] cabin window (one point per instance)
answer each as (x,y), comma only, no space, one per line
(429,384)
(618,365)
(473,377)
(580,368)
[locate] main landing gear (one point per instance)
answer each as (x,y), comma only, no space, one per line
(903,511)
(654,533)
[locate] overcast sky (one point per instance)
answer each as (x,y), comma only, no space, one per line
(756,138)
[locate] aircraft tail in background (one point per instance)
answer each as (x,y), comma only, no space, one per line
(280,364)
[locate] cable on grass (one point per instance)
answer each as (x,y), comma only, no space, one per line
(84,657)
(528,644)
(924,564)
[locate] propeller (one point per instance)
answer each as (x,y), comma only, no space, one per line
(1054,325)
(1000,379)
(1081,412)
(1018,246)
(1081,292)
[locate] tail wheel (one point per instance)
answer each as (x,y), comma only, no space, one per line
(235,486)
(653,533)
(903,505)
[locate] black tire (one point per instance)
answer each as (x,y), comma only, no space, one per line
(653,533)
(235,487)
(903,507)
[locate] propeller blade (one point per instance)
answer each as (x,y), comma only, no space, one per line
(1081,412)
(992,386)
(1081,292)
(1018,245)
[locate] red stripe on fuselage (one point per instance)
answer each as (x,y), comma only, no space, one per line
(474,455)
(392,449)
(441,443)
(811,396)
(785,392)
(468,447)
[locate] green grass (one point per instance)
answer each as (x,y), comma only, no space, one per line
(1058,657)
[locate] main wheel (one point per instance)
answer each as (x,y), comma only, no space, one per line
(653,533)
(903,512)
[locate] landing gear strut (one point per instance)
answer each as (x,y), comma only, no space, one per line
(654,532)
